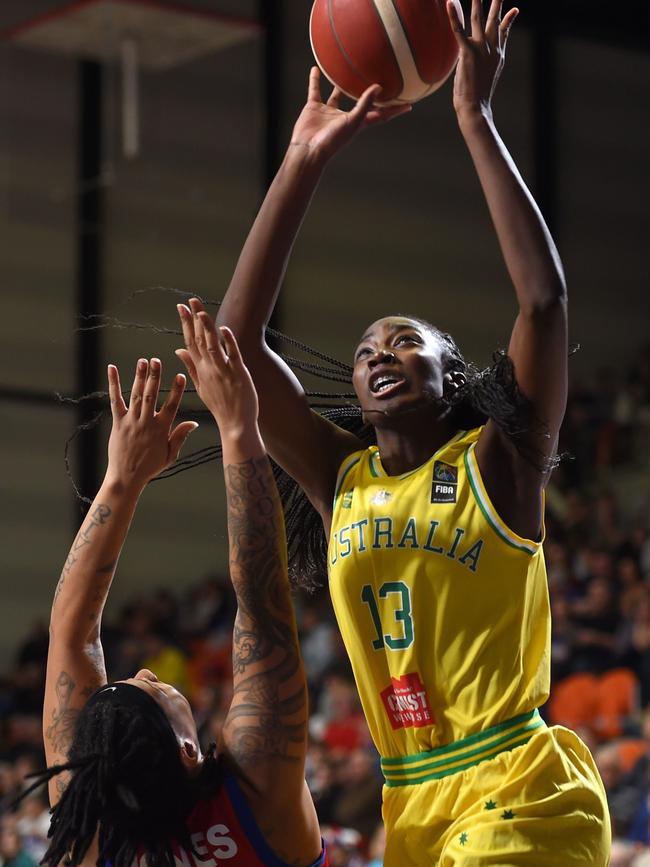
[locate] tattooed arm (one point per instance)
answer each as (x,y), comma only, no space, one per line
(140,446)
(265,733)
(266,727)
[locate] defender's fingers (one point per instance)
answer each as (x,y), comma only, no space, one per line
(151,389)
(137,389)
(118,407)
(196,306)
(187,324)
(313,88)
(210,338)
(170,407)
(186,358)
(178,436)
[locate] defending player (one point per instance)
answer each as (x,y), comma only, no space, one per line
(435,535)
(127,776)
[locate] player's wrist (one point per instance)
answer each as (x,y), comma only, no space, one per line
(241,442)
(303,161)
(121,485)
(473,116)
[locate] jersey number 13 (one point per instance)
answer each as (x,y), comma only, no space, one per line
(401,614)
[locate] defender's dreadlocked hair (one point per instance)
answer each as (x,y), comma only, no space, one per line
(489,393)
(127,781)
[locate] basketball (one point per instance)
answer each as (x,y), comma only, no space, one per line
(406,46)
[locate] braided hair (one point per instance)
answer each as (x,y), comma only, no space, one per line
(127,784)
(487,393)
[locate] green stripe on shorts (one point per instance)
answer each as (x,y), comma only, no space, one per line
(462,754)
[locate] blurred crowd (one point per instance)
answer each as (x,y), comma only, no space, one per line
(598,559)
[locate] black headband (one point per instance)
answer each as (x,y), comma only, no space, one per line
(128,696)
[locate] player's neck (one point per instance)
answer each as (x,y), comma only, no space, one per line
(404,450)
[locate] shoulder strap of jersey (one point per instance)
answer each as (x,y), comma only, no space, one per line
(347,465)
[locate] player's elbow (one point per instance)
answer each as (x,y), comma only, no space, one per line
(250,335)
(70,633)
(548,301)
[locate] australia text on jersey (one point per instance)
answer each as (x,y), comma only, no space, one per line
(385,533)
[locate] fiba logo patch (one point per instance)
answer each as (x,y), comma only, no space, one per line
(347,500)
(381,497)
(444,483)
(406,702)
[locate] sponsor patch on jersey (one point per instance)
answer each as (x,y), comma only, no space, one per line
(381,497)
(406,702)
(444,483)
(346,502)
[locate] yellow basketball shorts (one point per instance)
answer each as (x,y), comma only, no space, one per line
(517,794)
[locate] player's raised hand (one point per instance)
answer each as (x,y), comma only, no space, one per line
(324,128)
(143,440)
(482,53)
(214,363)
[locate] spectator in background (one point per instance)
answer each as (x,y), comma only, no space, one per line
(357,799)
(563,635)
(208,609)
(318,637)
(12,850)
(33,823)
(344,846)
(596,622)
(165,659)
(640,643)
(630,586)
(340,721)
(377,846)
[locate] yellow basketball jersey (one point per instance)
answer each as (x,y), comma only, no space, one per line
(443,609)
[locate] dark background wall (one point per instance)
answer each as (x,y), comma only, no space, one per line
(399,224)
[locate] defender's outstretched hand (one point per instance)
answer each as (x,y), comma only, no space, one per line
(143,441)
(482,53)
(324,128)
(215,366)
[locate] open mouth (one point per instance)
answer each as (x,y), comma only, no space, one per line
(386,384)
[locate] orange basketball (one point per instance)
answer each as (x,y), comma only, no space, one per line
(406,46)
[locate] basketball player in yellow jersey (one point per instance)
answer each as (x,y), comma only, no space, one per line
(435,561)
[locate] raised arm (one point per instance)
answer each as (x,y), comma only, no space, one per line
(265,733)
(142,444)
(307,446)
(538,345)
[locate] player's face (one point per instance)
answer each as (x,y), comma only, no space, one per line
(398,366)
(174,704)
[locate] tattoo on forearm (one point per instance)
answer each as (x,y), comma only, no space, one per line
(269,710)
(64,718)
(60,731)
(99,516)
